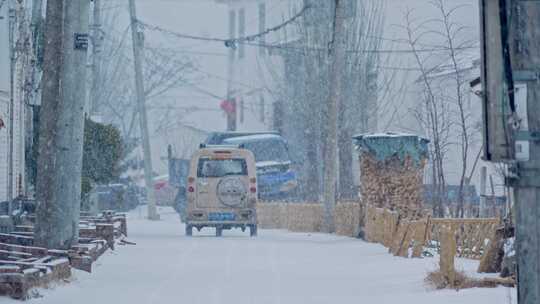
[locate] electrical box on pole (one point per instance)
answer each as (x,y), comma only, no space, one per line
(495,100)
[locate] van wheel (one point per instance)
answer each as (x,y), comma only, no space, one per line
(253,230)
(219,231)
(189,230)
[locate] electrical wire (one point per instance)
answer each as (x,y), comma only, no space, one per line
(232,42)
(382,51)
(248,40)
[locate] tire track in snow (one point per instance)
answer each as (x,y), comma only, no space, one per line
(174,274)
(273,257)
(217,291)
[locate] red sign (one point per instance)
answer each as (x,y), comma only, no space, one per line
(229,106)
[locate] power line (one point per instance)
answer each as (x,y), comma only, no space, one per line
(248,40)
(382,51)
(232,42)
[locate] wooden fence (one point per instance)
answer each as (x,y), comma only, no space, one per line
(472,235)
(308,217)
(403,237)
(407,238)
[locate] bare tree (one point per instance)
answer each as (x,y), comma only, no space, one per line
(455,40)
(432,115)
(165,70)
(304,86)
(444,115)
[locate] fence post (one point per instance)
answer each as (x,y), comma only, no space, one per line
(448,252)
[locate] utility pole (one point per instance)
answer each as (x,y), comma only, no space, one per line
(524,41)
(336,58)
(141,100)
(34,80)
(96,53)
(483,182)
(231,117)
(11,124)
(62,124)
(37,7)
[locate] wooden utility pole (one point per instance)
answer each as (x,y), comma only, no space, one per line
(62,124)
(336,58)
(524,41)
(141,104)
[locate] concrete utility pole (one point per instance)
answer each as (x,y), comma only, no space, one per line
(37,7)
(11,124)
(524,40)
(483,182)
(96,53)
(231,117)
(141,100)
(62,124)
(37,10)
(336,57)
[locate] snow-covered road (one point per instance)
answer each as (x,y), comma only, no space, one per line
(276,267)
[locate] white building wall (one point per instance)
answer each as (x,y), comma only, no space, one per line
(11,110)
(4,98)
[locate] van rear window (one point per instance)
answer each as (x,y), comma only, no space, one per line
(221,167)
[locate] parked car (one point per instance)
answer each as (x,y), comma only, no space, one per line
(275,174)
(118,197)
(277,179)
(222,190)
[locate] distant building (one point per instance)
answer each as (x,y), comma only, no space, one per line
(12,109)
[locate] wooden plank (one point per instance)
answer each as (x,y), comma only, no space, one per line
(403,250)
(420,237)
(16,239)
(16,254)
(39,251)
(443,221)
(399,237)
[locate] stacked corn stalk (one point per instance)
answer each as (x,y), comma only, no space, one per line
(392,184)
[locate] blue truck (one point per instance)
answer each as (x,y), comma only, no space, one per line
(276,176)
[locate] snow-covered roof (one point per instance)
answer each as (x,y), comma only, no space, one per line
(252,138)
(386,135)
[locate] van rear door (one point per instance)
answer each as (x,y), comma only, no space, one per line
(210,171)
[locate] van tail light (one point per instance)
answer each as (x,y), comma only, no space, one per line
(253,189)
(191,180)
(253,180)
(191,189)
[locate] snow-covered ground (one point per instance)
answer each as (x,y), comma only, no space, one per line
(276,267)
